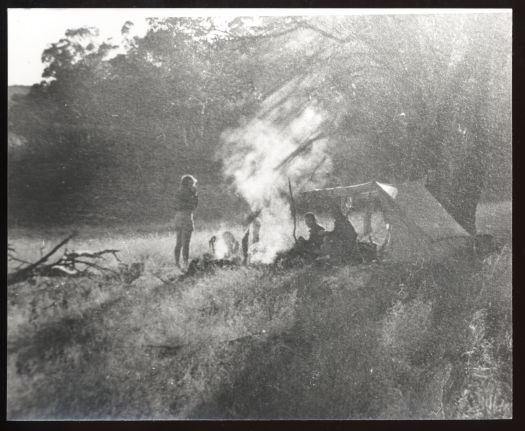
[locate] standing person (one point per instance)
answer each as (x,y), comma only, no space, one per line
(186,201)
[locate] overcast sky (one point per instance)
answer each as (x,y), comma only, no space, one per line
(30,31)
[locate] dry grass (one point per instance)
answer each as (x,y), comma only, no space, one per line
(360,342)
(156,247)
(145,349)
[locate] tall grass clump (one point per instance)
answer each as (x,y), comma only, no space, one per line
(487,383)
(384,341)
(406,328)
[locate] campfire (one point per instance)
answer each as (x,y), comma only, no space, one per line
(223,245)
(280,145)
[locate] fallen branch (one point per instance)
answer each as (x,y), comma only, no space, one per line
(66,265)
(96,255)
(94,265)
(26,272)
(17,259)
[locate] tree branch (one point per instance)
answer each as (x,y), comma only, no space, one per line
(353,37)
(303,147)
(234,37)
(23,273)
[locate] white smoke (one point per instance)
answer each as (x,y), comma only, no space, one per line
(221,248)
(252,154)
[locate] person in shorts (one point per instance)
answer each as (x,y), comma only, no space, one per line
(186,200)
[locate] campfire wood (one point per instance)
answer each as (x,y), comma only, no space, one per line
(245,245)
(292,208)
(208,264)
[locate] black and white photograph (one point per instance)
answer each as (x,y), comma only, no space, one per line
(263,214)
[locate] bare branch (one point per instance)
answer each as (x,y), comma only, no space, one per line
(26,272)
(378,57)
(66,263)
(236,37)
(303,147)
(95,255)
(17,259)
(94,265)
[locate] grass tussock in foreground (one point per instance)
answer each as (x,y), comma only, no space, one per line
(153,351)
(382,341)
(390,343)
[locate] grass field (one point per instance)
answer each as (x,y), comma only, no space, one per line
(382,341)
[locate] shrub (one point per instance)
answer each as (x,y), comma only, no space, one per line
(486,386)
(486,394)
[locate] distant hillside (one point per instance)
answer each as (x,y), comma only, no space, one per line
(16,89)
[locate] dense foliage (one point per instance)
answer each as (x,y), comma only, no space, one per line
(110,129)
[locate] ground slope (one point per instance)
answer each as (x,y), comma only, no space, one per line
(383,341)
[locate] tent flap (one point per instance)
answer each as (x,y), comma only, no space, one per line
(425,211)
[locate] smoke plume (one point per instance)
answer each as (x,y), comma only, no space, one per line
(280,143)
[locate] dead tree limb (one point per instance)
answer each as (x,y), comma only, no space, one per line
(26,272)
(94,265)
(66,265)
(52,252)
(17,259)
(95,255)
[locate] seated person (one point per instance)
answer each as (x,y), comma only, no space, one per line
(340,242)
(312,245)
(224,246)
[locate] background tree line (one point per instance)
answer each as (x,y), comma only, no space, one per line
(106,137)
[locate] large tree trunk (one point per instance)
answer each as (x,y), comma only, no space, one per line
(459,188)
(469,181)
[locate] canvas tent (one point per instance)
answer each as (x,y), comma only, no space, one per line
(419,227)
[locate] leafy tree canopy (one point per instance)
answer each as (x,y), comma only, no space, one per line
(113,126)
